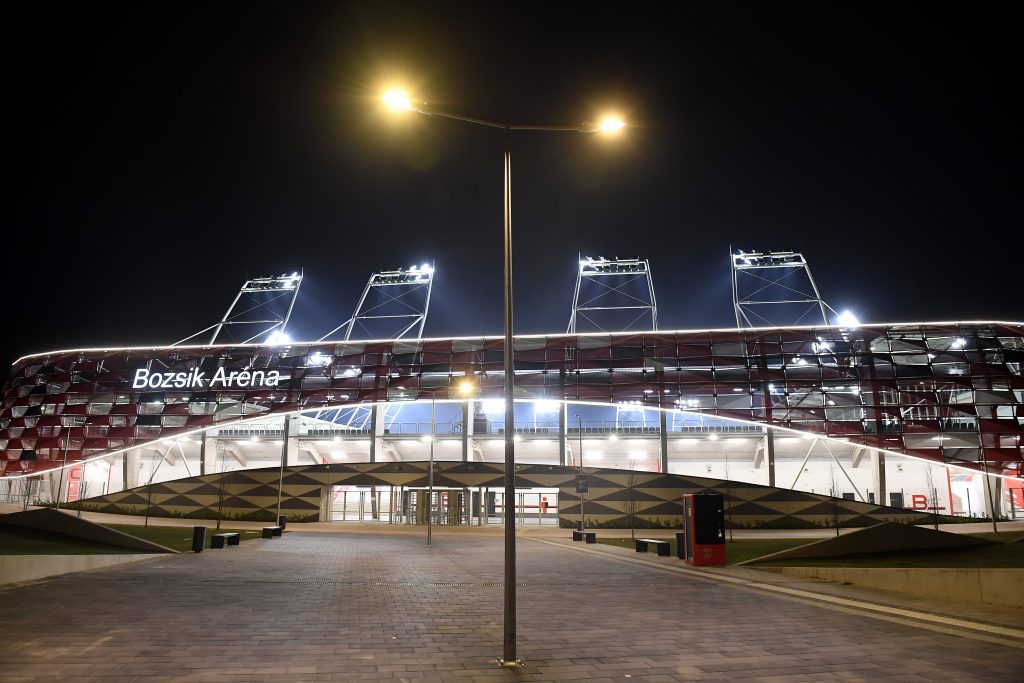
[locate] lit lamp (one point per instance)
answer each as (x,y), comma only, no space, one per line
(399,101)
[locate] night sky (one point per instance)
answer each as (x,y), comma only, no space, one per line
(163,152)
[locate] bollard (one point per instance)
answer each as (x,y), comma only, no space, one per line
(282,521)
(198,538)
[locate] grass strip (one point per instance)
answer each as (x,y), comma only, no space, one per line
(738,550)
(177,537)
(18,541)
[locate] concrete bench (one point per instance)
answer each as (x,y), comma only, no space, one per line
(231,537)
(664,547)
(588,536)
(271,531)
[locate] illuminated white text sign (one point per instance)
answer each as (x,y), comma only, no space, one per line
(194,379)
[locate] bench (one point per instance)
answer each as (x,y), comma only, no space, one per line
(664,547)
(588,536)
(232,538)
(271,531)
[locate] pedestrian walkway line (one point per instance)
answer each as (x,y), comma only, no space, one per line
(847,604)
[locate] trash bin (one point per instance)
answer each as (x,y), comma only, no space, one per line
(198,538)
(282,521)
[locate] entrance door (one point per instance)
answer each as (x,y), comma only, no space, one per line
(362,503)
(532,506)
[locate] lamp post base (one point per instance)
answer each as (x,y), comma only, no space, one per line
(508,663)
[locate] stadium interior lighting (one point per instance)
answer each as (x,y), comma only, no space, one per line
(319,360)
(493,406)
(546,406)
(847,319)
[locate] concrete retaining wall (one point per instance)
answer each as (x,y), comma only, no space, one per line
(994,586)
(18,568)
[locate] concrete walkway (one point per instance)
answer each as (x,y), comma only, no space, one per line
(365,602)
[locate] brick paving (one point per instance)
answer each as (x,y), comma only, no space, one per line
(381,606)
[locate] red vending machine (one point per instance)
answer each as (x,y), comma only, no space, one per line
(704,522)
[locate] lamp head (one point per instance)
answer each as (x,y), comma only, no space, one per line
(610,125)
(397,100)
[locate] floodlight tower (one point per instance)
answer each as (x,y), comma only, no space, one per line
(615,293)
(775,289)
(264,305)
(394,303)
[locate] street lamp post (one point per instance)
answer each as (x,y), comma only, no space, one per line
(430,472)
(397,100)
(583,494)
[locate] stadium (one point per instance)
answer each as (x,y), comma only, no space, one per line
(800,415)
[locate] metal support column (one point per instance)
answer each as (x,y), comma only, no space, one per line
(467,430)
(131,469)
(562,428)
(878,460)
(663,434)
(376,429)
(769,450)
(202,454)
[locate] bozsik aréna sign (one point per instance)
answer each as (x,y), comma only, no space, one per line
(194,379)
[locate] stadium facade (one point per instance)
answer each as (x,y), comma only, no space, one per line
(925,416)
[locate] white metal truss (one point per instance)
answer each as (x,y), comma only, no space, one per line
(613,285)
(630,414)
(259,312)
(395,301)
(774,289)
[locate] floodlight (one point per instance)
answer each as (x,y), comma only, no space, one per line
(277,338)
(847,319)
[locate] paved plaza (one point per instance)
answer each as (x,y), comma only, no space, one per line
(371,603)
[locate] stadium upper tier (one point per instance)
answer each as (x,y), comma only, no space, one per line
(949,392)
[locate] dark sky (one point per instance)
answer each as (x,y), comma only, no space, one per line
(162,152)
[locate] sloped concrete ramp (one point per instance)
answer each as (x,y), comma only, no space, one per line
(887,537)
(57,522)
